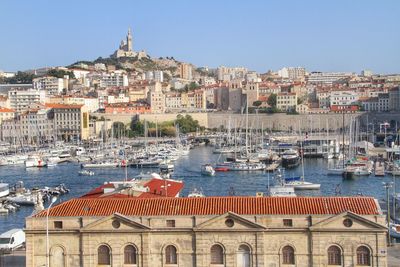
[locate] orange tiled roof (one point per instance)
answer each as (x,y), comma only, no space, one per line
(6,109)
(168,206)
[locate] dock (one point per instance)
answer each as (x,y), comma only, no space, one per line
(379,168)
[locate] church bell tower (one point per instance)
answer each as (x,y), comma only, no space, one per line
(129,40)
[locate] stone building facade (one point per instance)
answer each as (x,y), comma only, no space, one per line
(211,231)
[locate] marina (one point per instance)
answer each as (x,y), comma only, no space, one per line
(188,168)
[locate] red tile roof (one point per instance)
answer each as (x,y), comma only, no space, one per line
(213,206)
(2,109)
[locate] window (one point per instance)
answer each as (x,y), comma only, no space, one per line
(170,255)
(334,256)
(347,222)
(363,256)
(243,256)
(170,223)
(129,255)
(217,254)
(288,222)
(58,224)
(103,255)
(288,255)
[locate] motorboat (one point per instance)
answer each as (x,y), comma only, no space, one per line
(281,191)
(86,173)
(299,183)
(207,170)
(4,190)
(53,161)
(196,193)
(104,164)
(13,160)
(25,199)
(166,167)
(35,161)
(290,158)
(241,166)
(335,171)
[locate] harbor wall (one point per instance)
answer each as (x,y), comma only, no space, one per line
(277,121)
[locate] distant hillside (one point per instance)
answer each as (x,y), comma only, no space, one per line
(168,64)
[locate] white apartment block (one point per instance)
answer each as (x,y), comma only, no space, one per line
(292,72)
(158,76)
(286,101)
(394,99)
(327,77)
(113,79)
(20,100)
(226,73)
(343,98)
(52,85)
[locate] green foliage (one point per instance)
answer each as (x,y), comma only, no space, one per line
(191,86)
(118,129)
(257,103)
(300,101)
(272,100)
(20,77)
(186,123)
(61,73)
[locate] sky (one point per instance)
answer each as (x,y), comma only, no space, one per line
(340,35)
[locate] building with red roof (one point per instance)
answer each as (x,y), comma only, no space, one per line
(100,230)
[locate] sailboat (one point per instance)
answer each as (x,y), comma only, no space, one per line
(298,182)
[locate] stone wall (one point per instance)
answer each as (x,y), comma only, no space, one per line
(278,121)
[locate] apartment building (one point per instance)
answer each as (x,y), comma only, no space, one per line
(185,71)
(379,104)
(71,122)
(35,126)
(173,100)
(52,85)
(394,99)
(286,101)
(20,100)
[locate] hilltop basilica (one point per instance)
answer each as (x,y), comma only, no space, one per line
(125,49)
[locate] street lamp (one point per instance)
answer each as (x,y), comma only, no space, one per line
(387,186)
(53,200)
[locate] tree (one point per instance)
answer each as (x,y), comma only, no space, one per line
(61,73)
(20,77)
(272,100)
(299,101)
(257,103)
(186,123)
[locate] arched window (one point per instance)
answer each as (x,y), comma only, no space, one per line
(243,256)
(57,257)
(129,255)
(217,254)
(363,256)
(288,255)
(334,255)
(170,255)
(103,255)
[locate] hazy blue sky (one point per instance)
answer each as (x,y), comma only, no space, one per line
(340,35)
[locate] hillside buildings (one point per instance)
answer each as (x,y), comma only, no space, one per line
(51,85)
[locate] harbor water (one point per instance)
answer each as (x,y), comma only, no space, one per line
(187,168)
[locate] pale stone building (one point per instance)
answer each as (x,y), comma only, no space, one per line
(71,122)
(209,232)
(286,101)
